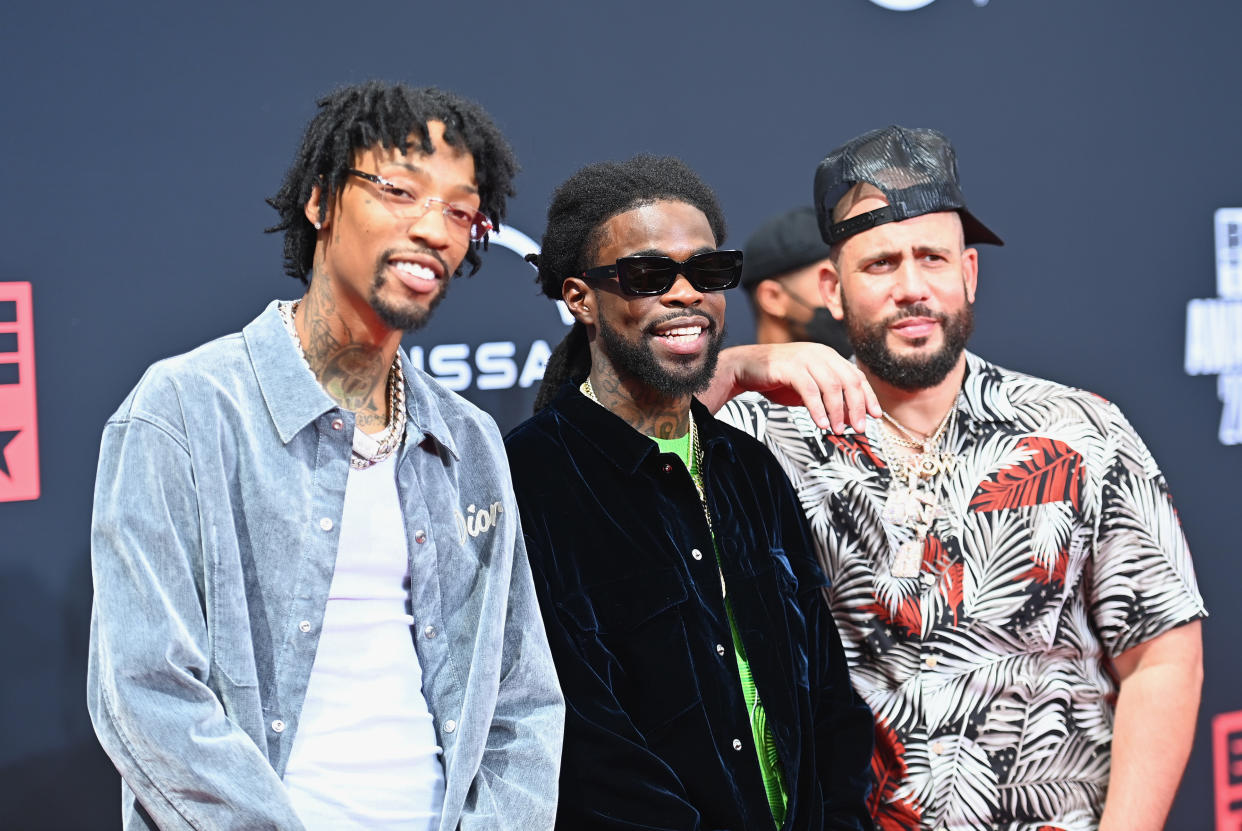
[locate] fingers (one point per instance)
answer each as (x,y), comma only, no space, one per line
(844,398)
(818,396)
(834,391)
(861,401)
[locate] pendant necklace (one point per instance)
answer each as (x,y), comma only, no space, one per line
(914,486)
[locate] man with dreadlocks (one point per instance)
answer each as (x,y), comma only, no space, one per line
(705,683)
(313,607)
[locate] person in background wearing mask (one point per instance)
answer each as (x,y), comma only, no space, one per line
(785,258)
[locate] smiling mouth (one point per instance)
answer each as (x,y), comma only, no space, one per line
(681,334)
(420,272)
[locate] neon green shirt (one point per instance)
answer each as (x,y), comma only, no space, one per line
(769,763)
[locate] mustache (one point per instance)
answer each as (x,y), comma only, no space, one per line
(917,310)
(712,324)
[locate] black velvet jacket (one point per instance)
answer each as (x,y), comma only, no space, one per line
(656,734)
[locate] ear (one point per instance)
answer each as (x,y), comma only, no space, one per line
(830,289)
(771,298)
(970,272)
(580,299)
(311,209)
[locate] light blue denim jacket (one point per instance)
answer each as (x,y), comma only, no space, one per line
(216,518)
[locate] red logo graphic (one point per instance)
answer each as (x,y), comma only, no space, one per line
(1227,761)
(19,431)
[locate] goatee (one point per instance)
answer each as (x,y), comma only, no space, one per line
(638,360)
(407,319)
(910,373)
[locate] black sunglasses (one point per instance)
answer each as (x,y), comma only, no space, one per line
(654,274)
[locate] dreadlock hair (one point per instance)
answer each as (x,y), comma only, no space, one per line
(580,207)
(358,117)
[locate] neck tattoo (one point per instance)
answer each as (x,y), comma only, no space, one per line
(388,439)
(696,472)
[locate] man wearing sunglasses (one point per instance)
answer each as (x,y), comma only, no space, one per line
(705,684)
(289,632)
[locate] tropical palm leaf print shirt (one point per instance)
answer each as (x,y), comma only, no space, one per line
(1055,547)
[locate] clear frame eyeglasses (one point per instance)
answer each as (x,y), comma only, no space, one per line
(406,205)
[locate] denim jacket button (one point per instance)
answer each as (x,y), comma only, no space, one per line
(720,650)
(278,726)
(668,468)
(420,536)
(430,631)
(696,554)
(325,524)
(737,744)
(305,626)
(337,423)
(450,726)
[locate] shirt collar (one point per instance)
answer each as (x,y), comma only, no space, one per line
(295,399)
(620,443)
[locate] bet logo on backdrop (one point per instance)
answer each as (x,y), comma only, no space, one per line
(19,433)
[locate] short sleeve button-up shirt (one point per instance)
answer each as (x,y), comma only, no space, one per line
(1054,547)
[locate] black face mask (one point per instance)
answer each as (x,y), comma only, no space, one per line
(826,329)
(821,328)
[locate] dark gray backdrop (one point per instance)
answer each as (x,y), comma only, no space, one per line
(139,140)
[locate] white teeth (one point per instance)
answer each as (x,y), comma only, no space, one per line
(683,332)
(415,269)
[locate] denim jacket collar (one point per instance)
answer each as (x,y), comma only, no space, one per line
(295,399)
(628,448)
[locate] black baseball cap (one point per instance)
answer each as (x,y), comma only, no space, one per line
(915,169)
(782,244)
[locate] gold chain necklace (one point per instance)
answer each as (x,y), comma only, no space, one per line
(914,487)
(928,444)
(696,473)
(696,452)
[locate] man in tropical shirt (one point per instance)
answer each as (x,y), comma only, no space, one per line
(1007,570)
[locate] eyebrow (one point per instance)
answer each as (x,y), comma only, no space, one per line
(656,252)
(415,169)
(890,253)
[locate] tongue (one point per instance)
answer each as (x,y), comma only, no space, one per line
(415,282)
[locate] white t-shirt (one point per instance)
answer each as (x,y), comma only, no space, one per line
(365,755)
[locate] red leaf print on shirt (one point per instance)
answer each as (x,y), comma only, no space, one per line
(852,446)
(1042,575)
(1054,473)
(908,614)
(949,575)
(888,768)
(951,588)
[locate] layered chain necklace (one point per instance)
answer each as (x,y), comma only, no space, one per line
(914,487)
(387,440)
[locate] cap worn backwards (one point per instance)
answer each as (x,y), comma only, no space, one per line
(915,169)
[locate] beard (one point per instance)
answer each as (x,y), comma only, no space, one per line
(910,373)
(638,360)
(412,317)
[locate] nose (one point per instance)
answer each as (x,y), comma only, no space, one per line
(431,227)
(911,285)
(682,293)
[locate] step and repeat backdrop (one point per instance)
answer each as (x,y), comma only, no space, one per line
(1101,140)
